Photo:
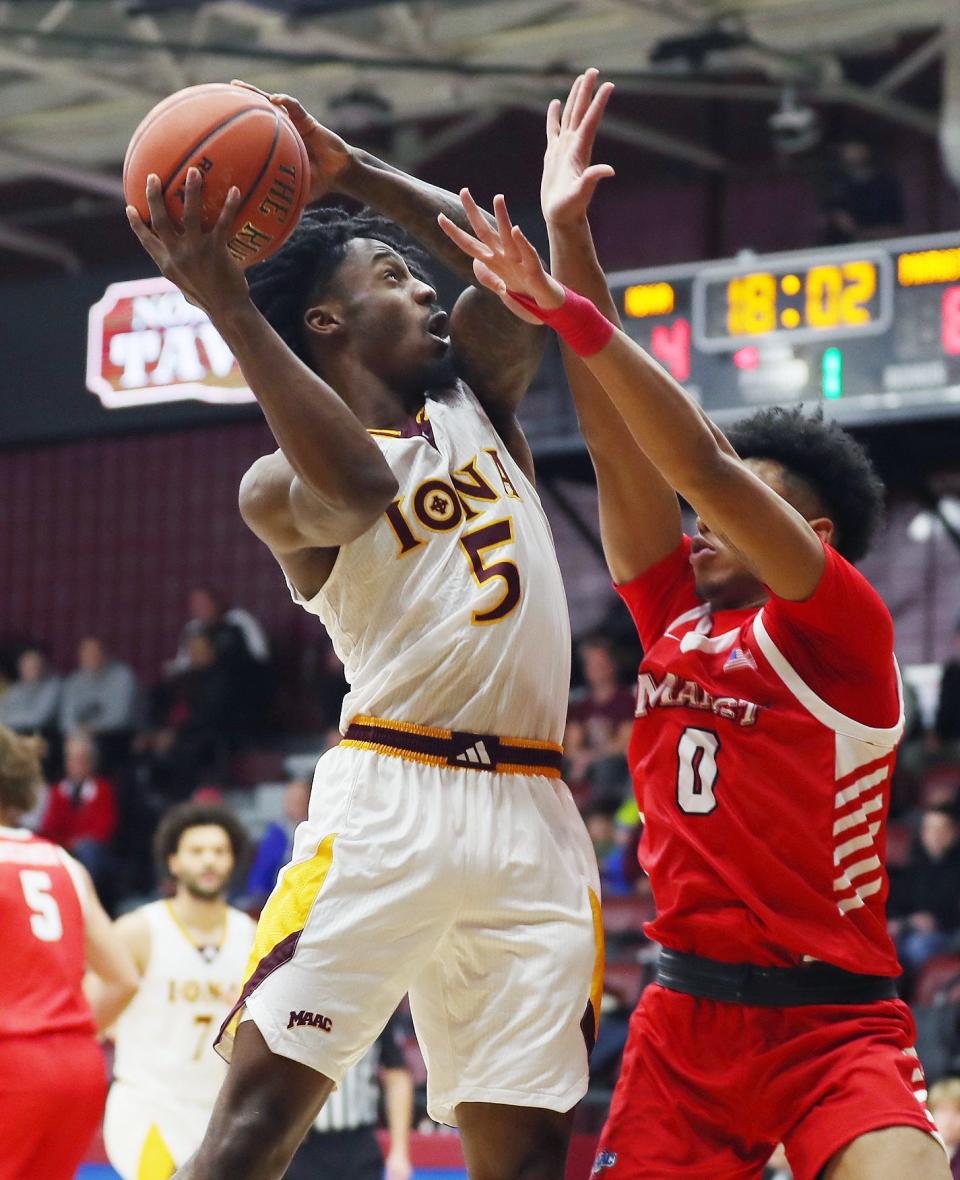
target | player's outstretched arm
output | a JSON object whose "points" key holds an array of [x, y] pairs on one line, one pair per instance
{"points": [[497, 355], [113, 956], [639, 512], [693, 458], [332, 463]]}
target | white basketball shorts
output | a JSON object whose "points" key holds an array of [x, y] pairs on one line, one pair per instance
{"points": [[475, 891], [147, 1137]]}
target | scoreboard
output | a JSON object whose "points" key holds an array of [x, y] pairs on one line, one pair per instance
{"points": [[872, 330]]}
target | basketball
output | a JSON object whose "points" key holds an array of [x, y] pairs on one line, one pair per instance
{"points": [[235, 137]]}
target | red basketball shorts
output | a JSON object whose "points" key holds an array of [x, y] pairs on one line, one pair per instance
{"points": [[52, 1090], [708, 1089]]}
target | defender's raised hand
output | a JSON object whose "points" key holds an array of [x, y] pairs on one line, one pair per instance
{"points": [[197, 261], [503, 259], [569, 179]]}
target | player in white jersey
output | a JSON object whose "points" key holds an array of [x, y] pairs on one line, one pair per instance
{"points": [[442, 854], [191, 951]]}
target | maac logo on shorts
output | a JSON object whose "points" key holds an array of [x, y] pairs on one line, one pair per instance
{"points": [[606, 1159], [314, 1019]]}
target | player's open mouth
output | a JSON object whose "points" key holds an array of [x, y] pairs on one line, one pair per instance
{"points": [[438, 326], [701, 548]]}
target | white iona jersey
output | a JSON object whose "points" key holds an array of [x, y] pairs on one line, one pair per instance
{"points": [[164, 1038], [450, 610]]}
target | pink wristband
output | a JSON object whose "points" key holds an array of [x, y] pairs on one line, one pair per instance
{"points": [[576, 321]]}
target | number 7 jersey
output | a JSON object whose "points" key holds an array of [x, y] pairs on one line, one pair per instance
{"points": [[765, 806], [450, 611]]}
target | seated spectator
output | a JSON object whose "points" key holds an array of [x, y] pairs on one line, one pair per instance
{"points": [[242, 648], [276, 845], [863, 199], [611, 843], [81, 813], [100, 697], [598, 726], [912, 753], [925, 895], [30, 704], [944, 1104], [195, 725], [946, 727], [227, 626]]}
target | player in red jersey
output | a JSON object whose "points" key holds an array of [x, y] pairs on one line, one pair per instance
{"points": [[52, 1076], [768, 712]]}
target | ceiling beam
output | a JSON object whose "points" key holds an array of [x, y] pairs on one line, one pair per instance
{"points": [[59, 70], [648, 138], [24, 241], [913, 63], [32, 163]]}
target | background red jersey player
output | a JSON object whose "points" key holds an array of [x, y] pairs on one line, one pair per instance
{"points": [[52, 1076], [767, 717]]}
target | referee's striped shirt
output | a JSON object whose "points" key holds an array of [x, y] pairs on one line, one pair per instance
{"points": [[355, 1101]]}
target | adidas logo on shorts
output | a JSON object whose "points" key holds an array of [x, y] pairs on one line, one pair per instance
{"points": [[477, 754], [606, 1159]]}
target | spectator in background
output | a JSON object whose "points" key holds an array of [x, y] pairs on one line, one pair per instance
{"points": [[195, 725], [610, 845], [863, 200], [946, 727], [100, 697], [242, 647], [599, 725], [81, 814], [944, 1104], [925, 896], [234, 631], [29, 706], [276, 845]]}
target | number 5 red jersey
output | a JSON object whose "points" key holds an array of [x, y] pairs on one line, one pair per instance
{"points": [[41, 915], [762, 751]]}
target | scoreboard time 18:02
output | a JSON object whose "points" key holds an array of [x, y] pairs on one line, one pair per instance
{"points": [[873, 328]]}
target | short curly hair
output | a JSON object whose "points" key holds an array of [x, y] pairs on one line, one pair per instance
{"points": [[283, 286], [833, 465], [184, 816], [20, 773]]}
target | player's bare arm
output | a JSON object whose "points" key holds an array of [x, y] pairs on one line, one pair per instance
{"points": [[334, 480], [114, 969], [639, 511], [782, 548], [496, 354]]}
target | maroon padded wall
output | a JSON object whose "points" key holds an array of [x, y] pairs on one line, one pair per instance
{"points": [[107, 536]]}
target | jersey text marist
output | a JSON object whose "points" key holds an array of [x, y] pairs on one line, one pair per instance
{"points": [[764, 798]]}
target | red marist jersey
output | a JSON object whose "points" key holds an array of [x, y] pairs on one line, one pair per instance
{"points": [[762, 752], [41, 916]]}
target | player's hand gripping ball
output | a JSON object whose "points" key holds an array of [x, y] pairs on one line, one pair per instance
{"points": [[234, 136]]}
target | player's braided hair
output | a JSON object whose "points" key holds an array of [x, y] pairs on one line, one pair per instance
{"points": [[184, 816], [826, 458], [20, 773], [283, 286]]}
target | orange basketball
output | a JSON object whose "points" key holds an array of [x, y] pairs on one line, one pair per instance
{"points": [[234, 136]]}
